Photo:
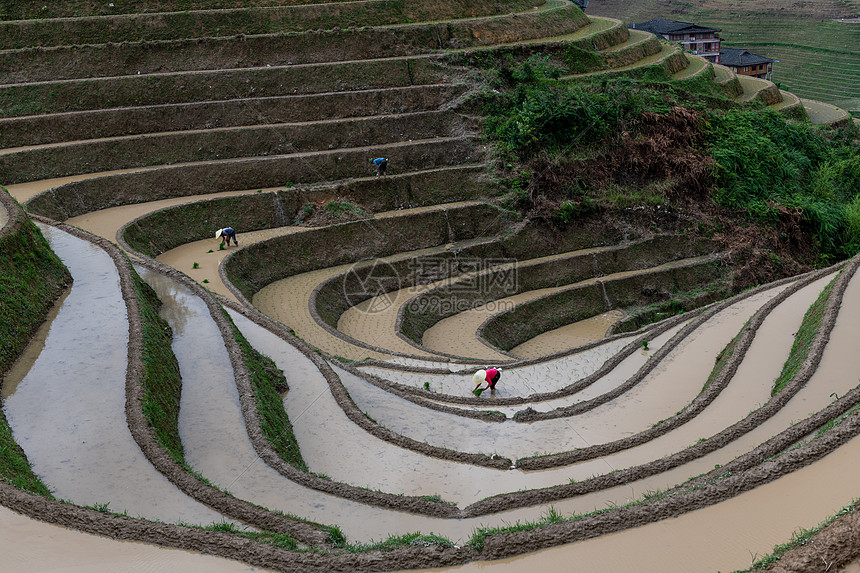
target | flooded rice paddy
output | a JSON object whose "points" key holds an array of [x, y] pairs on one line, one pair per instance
{"points": [[67, 408]]}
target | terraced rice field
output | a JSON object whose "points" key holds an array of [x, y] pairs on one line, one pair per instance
{"points": [[661, 449], [817, 61], [815, 41]]}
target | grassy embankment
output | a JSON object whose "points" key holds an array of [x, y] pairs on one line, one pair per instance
{"points": [[269, 383], [31, 279], [803, 340], [163, 384]]}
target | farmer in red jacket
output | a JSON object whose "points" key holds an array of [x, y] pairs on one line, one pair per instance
{"points": [[490, 376]]}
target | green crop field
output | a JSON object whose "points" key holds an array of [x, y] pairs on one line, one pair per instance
{"points": [[818, 53], [817, 59]]}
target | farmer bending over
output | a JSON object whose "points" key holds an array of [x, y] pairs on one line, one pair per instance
{"points": [[226, 234], [490, 376], [381, 164]]}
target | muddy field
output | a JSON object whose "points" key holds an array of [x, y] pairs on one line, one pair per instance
{"points": [[663, 449]]}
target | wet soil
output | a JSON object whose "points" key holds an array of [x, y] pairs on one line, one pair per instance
{"points": [[458, 334], [31, 545], [107, 222], [570, 336]]}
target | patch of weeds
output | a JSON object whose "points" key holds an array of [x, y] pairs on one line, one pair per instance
{"points": [[162, 383], [653, 495], [195, 266], [835, 422], [269, 383], [723, 358], [206, 281], [427, 386], [799, 538], [344, 209], [266, 537], [803, 340], [408, 540], [436, 498], [306, 211], [100, 507], [336, 536]]}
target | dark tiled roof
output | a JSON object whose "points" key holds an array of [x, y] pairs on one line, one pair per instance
{"points": [[740, 57], [660, 26]]}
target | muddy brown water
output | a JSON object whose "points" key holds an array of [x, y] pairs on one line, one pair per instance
{"points": [[671, 386], [331, 444], [31, 546], [107, 222], [375, 321], [723, 537], [457, 334], [598, 556], [24, 191], [216, 443], [534, 378], [208, 256], [569, 336], [725, 540], [287, 301], [67, 410]]}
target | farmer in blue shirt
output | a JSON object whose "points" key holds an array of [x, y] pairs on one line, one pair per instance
{"points": [[381, 163], [226, 234]]}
